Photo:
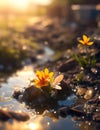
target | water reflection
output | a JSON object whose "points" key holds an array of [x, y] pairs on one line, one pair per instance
{"points": [[21, 126], [41, 123], [38, 121], [16, 81]]}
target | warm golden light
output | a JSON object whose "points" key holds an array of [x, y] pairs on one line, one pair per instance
{"points": [[21, 4], [33, 126], [14, 4], [22, 126], [41, 2], [30, 125]]}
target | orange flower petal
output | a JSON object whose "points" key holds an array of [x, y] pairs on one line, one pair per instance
{"points": [[85, 38], [88, 39], [90, 43], [81, 41]]}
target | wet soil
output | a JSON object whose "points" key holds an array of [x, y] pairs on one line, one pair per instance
{"points": [[82, 82]]}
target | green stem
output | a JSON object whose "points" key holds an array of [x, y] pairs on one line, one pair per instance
{"points": [[88, 56]]}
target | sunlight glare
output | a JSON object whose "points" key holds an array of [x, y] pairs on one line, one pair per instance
{"points": [[41, 2], [33, 126], [21, 4]]}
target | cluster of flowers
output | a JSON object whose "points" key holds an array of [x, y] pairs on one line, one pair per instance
{"points": [[45, 79]]}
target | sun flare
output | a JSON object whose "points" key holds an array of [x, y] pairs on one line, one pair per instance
{"points": [[22, 4], [41, 2]]}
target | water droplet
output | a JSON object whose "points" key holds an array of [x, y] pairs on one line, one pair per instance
{"points": [[96, 88], [94, 70], [89, 123], [74, 90], [37, 112], [97, 110], [82, 117], [87, 76], [48, 123]]}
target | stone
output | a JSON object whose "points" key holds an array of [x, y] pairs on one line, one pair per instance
{"points": [[31, 93]]}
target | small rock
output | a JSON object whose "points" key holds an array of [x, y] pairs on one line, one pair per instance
{"points": [[81, 91], [16, 94], [70, 64], [89, 94], [94, 70], [4, 115], [31, 93]]}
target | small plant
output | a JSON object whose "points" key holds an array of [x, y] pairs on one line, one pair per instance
{"points": [[87, 60], [46, 82]]}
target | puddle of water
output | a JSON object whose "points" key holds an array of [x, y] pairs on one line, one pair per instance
{"points": [[16, 81], [36, 122], [19, 80]]}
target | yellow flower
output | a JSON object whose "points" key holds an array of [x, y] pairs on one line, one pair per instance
{"points": [[86, 41], [43, 78]]}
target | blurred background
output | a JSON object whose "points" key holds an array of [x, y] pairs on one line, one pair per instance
{"points": [[24, 24], [80, 10]]}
